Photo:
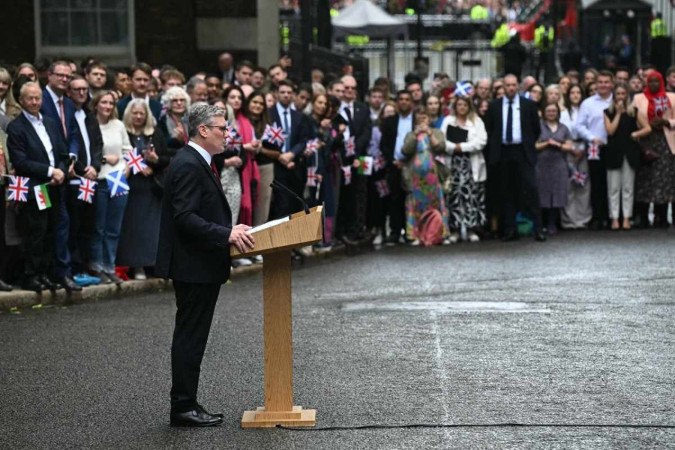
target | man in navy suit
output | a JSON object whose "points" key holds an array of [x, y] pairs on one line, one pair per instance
{"points": [[140, 80], [61, 109], [194, 251], [289, 169], [38, 151], [513, 127]]}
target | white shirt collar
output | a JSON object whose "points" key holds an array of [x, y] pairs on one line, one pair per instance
{"points": [[32, 118], [206, 155], [54, 95]]}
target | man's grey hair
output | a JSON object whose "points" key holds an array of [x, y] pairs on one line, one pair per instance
{"points": [[201, 114], [27, 85], [193, 83]]}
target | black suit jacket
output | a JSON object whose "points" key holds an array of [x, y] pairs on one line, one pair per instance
{"points": [[196, 223], [28, 154], [300, 130], [389, 130], [361, 128], [95, 145], [530, 127], [48, 109]]}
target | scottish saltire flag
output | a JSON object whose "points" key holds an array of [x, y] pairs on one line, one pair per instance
{"points": [[117, 183], [42, 197], [312, 146], [86, 190], [311, 177], [365, 165], [135, 160], [579, 178], [463, 89], [17, 190], [274, 134], [350, 147], [347, 174], [593, 152], [382, 188]]}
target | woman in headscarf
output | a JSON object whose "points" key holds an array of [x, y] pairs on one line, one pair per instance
{"points": [[656, 176]]}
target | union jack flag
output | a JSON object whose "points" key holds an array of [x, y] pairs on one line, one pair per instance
{"points": [[274, 135], [579, 178], [135, 161], [661, 105], [379, 163], [593, 152], [232, 139], [17, 190], [382, 188], [350, 147], [347, 174], [86, 190], [463, 89], [312, 146], [311, 176]]}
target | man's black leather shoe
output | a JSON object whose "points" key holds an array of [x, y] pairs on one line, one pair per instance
{"points": [[5, 287], [539, 236], [32, 284], [194, 418], [70, 285], [49, 284], [510, 236], [202, 409]]}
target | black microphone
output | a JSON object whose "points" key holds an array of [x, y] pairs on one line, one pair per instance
{"points": [[278, 185]]}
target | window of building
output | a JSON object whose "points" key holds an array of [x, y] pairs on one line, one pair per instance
{"points": [[82, 27]]}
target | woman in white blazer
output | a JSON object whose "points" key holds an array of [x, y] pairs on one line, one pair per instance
{"points": [[465, 137]]}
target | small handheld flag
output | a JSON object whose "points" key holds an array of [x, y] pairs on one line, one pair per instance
{"points": [[42, 197], [135, 160], [232, 139], [463, 89], [117, 183], [350, 147], [365, 165], [347, 174], [382, 188], [312, 146], [274, 135], [311, 177], [379, 163], [17, 190], [593, 152], [86, 190], [579, 178]]}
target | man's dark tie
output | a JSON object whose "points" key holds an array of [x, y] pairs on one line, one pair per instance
{"points": [[214, 170], [509, 123], [62, 116], [348, 112]]}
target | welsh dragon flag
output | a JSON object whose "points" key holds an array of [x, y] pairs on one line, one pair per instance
{"points": [[42, 197]]}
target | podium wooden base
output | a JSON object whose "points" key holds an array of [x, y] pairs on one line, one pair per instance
{"points": [[262, 419]]}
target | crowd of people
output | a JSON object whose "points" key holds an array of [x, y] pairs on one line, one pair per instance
{"points": [[83, 150]]}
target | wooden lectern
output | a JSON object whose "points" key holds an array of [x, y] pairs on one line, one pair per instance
{"points": [[275, 242]]}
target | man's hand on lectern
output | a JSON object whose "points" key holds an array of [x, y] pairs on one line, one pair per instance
{"points": [[241, 239]]}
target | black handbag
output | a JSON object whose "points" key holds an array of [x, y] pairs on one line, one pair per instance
{"points": [[647, 153]]}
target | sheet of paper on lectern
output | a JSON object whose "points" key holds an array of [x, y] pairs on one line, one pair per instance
{"points": [[270, 224]]}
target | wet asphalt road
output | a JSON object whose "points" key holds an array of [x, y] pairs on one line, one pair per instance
{"points": [[576, 332]]}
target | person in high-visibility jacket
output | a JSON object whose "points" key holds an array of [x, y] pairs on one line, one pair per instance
{"points": [[658, 27], [501, 36], [544, 40], [479, 12]]}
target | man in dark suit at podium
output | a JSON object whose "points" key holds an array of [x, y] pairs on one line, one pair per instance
{"points": [[194, 251]]}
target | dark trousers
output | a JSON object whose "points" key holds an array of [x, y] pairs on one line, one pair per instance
{"points": [[375, 215], [61, 234], [599, 202], [394, 205], [352, 208], [82, 217], [38, 234], [195, 305], [283, 203], [518, 187]]}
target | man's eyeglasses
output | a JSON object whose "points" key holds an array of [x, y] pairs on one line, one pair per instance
{"points": [[223, 129], [82, 89]]}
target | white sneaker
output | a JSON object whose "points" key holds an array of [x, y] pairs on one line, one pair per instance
{"points": [[446, 241], [258, 259], [473, 237], [454, 238], [241, 262], [139, 274], [415, 243], [378, 239]]}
